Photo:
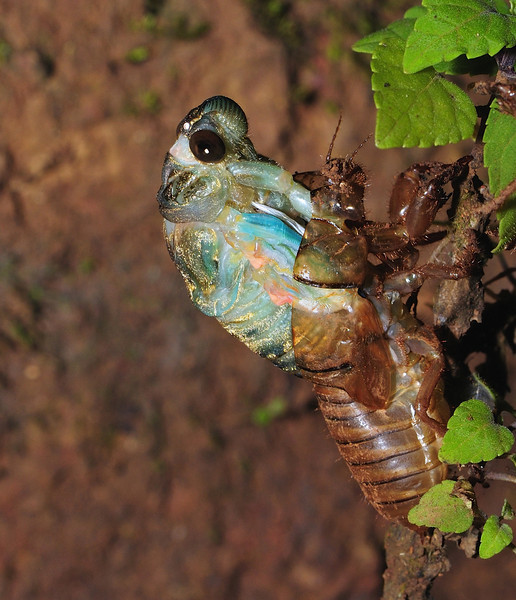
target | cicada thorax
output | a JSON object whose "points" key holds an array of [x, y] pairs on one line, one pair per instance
{"points": [[332, 254], [369, 359]]}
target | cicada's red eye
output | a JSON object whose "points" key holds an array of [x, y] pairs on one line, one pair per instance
{"points": [[207, 146]]}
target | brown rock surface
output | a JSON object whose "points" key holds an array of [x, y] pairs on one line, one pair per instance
{"points": [[130, 464]]}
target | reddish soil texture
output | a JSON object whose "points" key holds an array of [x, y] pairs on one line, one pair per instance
{"points": [[131, 466]]}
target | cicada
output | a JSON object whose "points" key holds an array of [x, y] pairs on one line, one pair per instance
{"points": [[283, 263]]}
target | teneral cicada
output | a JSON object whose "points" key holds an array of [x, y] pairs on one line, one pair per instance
{"points": [[282, 263]]}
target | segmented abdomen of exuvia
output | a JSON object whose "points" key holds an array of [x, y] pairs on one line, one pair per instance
{"points": [[391, 453]]}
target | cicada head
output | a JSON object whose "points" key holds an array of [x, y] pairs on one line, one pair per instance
{"points": [[196, 184]]}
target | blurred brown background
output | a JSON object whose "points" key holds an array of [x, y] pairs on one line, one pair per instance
{"points": [[133, 460]]}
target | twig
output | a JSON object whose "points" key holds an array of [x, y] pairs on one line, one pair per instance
{"points": [[495, 203], [413, 562]]}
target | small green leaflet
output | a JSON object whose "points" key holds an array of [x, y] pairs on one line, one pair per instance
{"points": [[414, 12], [495, 537], [422, 109], [500, 160], [473, 436], [479, 390], [441, 508], [507, 225], [398, 29], [500, 149], [401, 28], [462, 65], [507, 511], [454, 27]]}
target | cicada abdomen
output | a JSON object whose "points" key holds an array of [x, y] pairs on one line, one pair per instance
{"points": [[391, 453], [374, 367]]}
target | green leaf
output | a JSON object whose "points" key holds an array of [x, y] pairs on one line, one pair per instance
{"points": [[398, 29], [507, 511], [414, 12], [472, 66], [473, 436], [495, 537], [500, 160], [454, 27], [500, 149], [443, 507], [479, 390], [422, 109], [507, 225]]}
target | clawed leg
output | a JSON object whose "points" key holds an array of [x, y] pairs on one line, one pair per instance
{"points": [[424, 396], [430, 406], [418, 194], [410, 280]]}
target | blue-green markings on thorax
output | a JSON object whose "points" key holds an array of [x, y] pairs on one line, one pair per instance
{"points": [[225, 283], [234, 224]]}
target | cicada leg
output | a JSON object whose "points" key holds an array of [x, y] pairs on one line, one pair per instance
{"points": [[418, 343], [418, 194]]}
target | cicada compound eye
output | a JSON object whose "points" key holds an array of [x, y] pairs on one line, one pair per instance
{"points": [[207, 146]]}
